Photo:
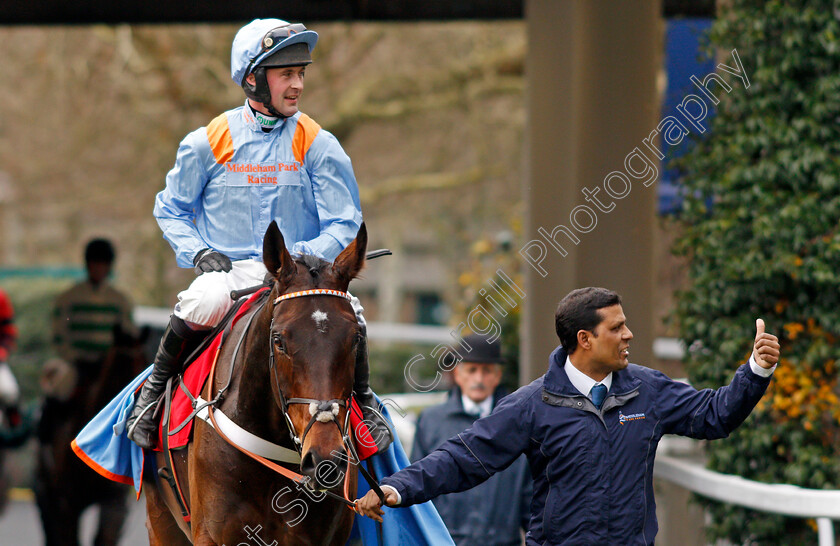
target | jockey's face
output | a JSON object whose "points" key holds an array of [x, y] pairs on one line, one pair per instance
{"points": [[286, 85]]}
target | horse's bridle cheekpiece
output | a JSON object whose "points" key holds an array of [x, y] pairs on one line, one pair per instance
{"points": [[323, 411], [320, 410]]}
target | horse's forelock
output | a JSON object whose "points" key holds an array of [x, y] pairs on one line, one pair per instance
{"points": [[315, 266], [311, 262]]}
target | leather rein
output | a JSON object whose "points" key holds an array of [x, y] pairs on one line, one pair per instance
{"points": [[320, 411]]}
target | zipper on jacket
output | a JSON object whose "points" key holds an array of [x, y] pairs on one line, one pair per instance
{"points": [[583, 403]]}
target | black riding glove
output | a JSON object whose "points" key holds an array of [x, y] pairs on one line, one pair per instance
{"points": [[209, 260]]}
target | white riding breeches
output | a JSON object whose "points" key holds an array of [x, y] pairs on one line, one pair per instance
{"points": [[207, 299], [9, 390]]}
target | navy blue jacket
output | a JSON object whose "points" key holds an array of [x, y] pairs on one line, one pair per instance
{"points": [[593, 470], [492, 513]]}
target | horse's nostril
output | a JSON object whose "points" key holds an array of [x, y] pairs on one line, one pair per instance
{"points": [[329, 475], [308, 464], [325, 473]]}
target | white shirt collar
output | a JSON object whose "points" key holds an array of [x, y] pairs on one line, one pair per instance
{"points": [[582, 382], [483, 409]]}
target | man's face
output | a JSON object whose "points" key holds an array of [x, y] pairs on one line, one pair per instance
{"points": [[610, 341], [98, 271], [477, 381], [286, 85]]}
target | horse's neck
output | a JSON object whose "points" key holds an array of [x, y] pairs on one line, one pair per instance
{"points": [[256, 401], [256, 342]]}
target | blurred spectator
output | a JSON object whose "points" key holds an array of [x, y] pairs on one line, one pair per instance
{"points": [[492, 513], [85, 320], [86, 314], [9, 392]]}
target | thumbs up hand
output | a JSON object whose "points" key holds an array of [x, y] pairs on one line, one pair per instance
{"points": [[766, 347]]}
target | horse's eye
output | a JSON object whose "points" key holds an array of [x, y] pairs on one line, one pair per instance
{"points": [[277, 339]]}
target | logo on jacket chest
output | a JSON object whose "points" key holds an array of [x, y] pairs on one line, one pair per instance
{"points": [[630, 417], [261, 173]]}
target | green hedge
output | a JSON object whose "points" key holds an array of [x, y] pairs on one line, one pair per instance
{"points": [[760, 237]]}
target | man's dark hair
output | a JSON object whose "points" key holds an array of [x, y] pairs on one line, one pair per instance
{"points": [[579, 311], [99, 250]]}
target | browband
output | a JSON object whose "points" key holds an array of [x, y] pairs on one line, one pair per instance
{"points": [[314, 292]]}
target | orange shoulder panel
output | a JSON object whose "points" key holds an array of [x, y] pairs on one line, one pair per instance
{"points": [[306, 131], [218, 134]]}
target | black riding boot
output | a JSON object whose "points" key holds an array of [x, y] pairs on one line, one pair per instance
{"points": [[177, 343], [376, 422]]}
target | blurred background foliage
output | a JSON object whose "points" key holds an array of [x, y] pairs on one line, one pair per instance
{"points": [[488, 256], [760, 239]]}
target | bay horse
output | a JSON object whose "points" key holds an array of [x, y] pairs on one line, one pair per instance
{"points": [[64, 485], [283, 364]]}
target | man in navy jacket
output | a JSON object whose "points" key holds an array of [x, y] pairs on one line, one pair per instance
{"points": [[492, 513], [589, 427]]}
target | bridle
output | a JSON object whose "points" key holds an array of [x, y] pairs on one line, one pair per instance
{"points": [[320, 410], [323, 411]]}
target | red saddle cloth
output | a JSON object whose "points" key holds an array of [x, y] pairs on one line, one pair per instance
{"points": [[195, 376]]}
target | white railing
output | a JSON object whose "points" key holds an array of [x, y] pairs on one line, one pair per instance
{"points": [[788, 500], [663, 347]]}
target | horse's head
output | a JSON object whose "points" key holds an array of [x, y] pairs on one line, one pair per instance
{"points": [[314, 335]]}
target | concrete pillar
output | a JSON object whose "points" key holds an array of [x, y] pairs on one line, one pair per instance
{"points": [[592, 68]]}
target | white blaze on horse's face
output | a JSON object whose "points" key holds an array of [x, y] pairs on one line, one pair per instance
{"points": [[320, 319]]}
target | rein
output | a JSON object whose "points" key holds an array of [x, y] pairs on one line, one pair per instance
{"points": [[320, 410]]}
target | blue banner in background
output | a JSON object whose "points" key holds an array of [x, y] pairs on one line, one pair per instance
{"points": [[685, 44]]}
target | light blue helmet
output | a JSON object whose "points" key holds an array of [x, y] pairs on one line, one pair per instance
{"points": [[266, 43]]}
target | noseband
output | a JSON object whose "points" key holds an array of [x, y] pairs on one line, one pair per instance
{"points": [[322, 411]]}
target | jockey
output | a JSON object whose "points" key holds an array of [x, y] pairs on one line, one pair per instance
{"points": [[261, 162]]}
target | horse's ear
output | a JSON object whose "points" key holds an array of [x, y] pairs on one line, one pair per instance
{"points": [[351, 260], [276, 257]]}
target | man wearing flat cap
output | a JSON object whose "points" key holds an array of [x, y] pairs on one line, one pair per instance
{"points": [[493, 513]]}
